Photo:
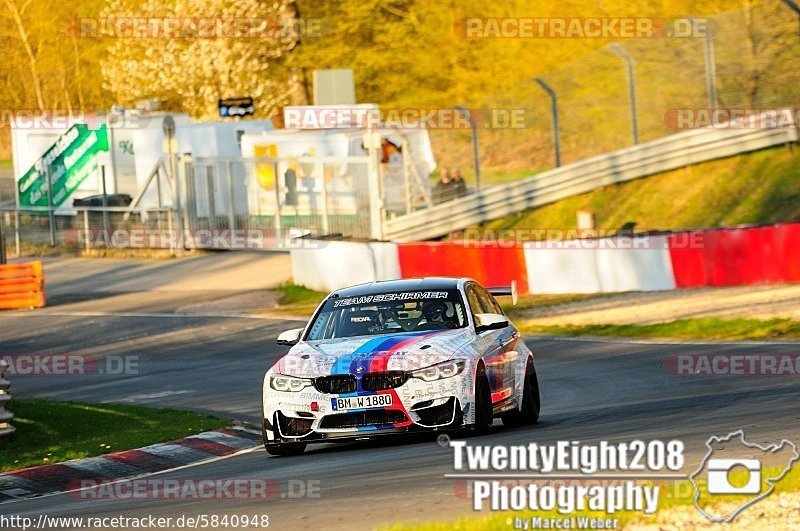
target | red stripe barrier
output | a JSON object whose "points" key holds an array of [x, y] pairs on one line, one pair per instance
{"points": [[736, 257], [788, 244], [488, 263]]}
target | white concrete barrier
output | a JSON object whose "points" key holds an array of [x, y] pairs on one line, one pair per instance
{"points": [[559, 267], [599, 266], [330, 265]]}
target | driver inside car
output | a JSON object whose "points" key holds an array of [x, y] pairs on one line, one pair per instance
{"points": [[436, 316]]}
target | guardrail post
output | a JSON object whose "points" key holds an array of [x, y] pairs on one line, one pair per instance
{"points": [[5, 397]]}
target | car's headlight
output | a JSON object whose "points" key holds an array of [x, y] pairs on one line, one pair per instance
{"points": [[439, 371], [288, 383]]}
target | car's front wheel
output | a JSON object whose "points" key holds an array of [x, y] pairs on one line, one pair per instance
{"points": [[483, 402], [286, 449], [531, 402]]}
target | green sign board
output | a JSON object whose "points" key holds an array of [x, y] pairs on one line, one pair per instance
{"points": [[71, 160]]}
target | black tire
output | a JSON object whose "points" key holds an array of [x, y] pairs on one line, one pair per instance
{"points": [[531, 402], [483, 403], [286, 449]]}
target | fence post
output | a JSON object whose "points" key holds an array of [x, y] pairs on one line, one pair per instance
{"points": [[231, 204], [319, 169], [278, 221], [5, 397], [86, 230], [554, 113], [50, 209], [2, 240], [16, 231], [106, 222], [625, 56]]}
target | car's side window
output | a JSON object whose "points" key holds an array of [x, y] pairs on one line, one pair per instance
{"points": [[489, 303], [475, 305]]}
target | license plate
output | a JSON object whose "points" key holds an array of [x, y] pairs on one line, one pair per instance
{"points": [[361, 402]]}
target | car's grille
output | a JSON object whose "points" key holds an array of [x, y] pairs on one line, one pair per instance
{"points": [[375, 417], [380, 381], [336, 384]]}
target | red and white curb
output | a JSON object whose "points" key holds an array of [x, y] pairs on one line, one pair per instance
{"points": [[64, 477]]}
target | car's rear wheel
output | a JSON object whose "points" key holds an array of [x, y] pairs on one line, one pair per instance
{"points": [[531, 402], [286, 449], [483, 402]]}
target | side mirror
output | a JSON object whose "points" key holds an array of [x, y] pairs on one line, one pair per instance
{"points": [[290, 337], [490, 321]]}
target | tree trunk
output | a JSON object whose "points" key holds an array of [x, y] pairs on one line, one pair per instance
{"points": [[32, 62]]}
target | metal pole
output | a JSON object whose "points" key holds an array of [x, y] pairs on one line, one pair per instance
{"points": [[278, 221], [554, 113], [618, 50], [50, 210], [106, 224], [16, 231], [2, 241], [710, 63], [377, 212], [86, 236], [475, 156], [319, 169], [231, 206]]}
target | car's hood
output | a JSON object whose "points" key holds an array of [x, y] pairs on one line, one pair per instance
{"points": [[405, 351]]}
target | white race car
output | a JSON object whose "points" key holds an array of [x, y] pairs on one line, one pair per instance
{"points": [[396, 357]]}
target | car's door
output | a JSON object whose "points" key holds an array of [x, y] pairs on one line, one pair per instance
{"points": [[498, 347], [488, 342]]}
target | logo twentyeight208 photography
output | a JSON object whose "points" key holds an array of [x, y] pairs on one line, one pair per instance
{"points": [[738, 474]]}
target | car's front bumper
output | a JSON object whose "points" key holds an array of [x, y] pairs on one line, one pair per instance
{"points": [[309, 415]]}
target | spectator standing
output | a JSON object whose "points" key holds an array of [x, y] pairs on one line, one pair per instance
{"points": [[459, 186], [443, 191]]}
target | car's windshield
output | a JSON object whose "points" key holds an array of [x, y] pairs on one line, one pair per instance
{"points": [[381, 313]]}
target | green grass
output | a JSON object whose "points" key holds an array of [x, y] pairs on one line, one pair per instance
{"points": [[528, 302], [753, 188], [700, 328], [51, 432], [297, 300], [673, 494]]}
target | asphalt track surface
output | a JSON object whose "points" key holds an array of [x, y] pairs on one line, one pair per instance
{"points": [[591, 390]]}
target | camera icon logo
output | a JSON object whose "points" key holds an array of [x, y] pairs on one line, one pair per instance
{"points": [[720, 472], [747, 472]]}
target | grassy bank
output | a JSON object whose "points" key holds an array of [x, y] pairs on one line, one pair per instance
{"points": [[297, 300], [753, 188], [51, 432], [700, 328]]}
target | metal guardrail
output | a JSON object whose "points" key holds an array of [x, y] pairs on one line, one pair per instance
{"points": [[663, 154], [5, 397]]}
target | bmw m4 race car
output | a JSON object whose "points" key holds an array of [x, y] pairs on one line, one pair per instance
{"points": [[397, 357]]}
